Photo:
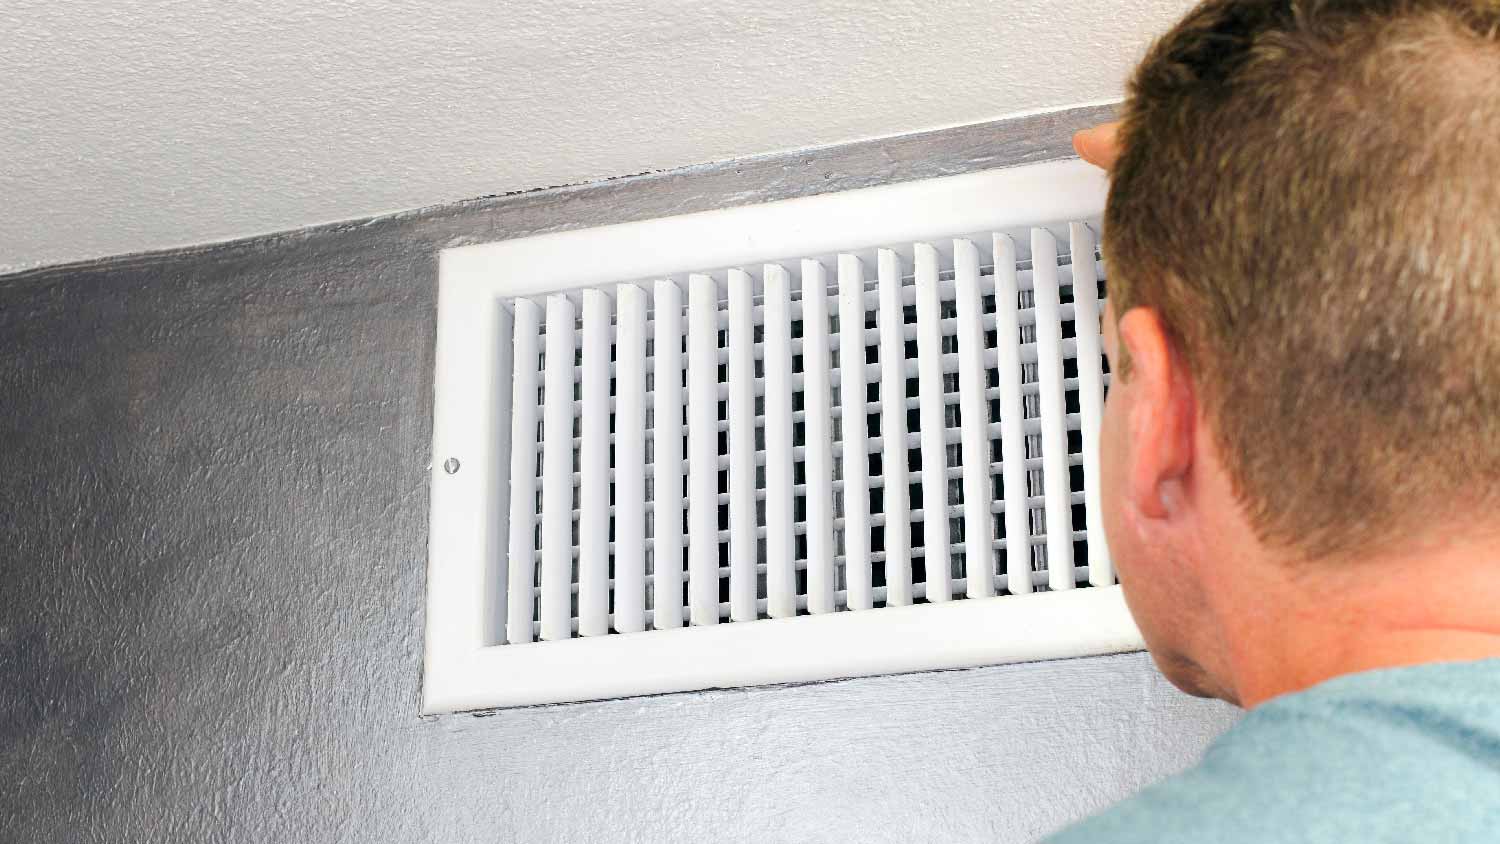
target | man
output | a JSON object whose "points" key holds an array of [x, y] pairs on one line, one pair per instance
{"points": [[1302, 441]]}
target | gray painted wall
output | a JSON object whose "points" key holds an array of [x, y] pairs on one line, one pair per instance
{"points": [[213, 515]]}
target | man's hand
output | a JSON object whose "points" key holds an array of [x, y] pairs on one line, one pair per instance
{"points": [[1098, 145]]}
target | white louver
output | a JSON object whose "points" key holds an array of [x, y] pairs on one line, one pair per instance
{"points": [[827, 437]]}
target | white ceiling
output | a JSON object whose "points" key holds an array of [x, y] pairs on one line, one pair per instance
{"points": [[143, 124]]}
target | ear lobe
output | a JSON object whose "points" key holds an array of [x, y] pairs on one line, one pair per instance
{"points": [[1162, 414]]}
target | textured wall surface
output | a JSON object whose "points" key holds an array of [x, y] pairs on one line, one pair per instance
{"points": [[143, 124], [213, 513]]}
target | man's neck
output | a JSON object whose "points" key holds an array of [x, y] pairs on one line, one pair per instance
{"points": [[1313, 621]]}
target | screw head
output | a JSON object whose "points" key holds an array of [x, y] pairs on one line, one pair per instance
{"points": [[450, 465]]}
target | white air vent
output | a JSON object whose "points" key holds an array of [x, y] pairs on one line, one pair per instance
{"points": [[825, 437]]}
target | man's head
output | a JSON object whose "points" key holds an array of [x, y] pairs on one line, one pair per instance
{"points": [[1303, 232]]}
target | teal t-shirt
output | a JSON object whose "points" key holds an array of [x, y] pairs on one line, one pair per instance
{"points": [[1401, 754]]}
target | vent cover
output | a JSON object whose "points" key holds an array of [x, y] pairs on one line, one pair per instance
{"points": [[842, 435]]}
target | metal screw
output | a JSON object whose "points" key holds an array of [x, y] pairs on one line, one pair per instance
{"points": [[450, 465]]}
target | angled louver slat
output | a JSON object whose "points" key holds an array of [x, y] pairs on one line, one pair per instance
{"points": [[979, 523], [818, 418], [630, 462], [1090, 393], [763, 478], [1059, 514], [703, 450], [932, 417], [894, 489], [594, 510], [741, 408], [668, 516], [1017, 492], [523, 471], [781, 580], [494, 597], [557, 470], [854, 430]]}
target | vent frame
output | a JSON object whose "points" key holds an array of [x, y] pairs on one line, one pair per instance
{"points": [[462, 671]]}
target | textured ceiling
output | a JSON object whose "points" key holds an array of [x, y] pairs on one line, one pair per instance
{"points": [[144, 124]]}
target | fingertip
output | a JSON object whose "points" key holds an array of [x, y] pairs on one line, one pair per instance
{"points": [[1080, 143], [1098, 145]]}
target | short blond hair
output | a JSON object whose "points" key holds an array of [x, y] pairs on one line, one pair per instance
{"points": [[1309, 194]]}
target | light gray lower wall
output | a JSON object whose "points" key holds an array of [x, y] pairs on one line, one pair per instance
{"points": [[213, 527]]}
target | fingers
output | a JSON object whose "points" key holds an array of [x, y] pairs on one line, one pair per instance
{"points": [[1099, 146]]}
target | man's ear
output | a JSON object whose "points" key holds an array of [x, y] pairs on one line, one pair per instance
{"points": [[1162, 414]]}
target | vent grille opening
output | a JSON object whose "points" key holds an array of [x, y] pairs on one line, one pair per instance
{"points": [[839, 433], [825, 437]]}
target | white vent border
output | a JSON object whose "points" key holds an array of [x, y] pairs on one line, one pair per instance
{"points": [[462, 673]]}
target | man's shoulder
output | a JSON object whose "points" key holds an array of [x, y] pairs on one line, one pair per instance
{"points": [[1363, 760], [1329, 793]]}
